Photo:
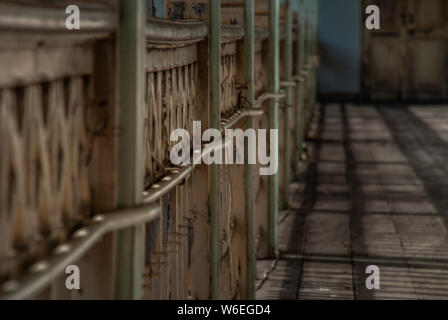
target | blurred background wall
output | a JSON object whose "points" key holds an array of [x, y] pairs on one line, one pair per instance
{"points": [[340, 46]]}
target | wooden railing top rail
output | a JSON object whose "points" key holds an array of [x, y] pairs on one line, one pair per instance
{"points": [[169, 32], [32, 25], [231, 33]]}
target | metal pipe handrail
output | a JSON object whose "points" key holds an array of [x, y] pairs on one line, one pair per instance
{"points": [[238, 115], [267, 96], [167, 183], [178, 174], [286, 84], [298, 78], [42, 273]]}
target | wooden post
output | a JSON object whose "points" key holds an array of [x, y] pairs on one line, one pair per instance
{"points": [[129, 245]]}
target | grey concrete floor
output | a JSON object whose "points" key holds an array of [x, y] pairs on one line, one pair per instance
{"points": [[374, 192]]}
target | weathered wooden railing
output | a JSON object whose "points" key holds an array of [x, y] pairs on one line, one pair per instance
{"points": [[173, 101], [261, 182], [60, 172], [172, 88], [232, 65], [261, 73], [54, 120]]}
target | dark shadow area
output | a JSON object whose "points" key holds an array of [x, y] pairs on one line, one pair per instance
{"points": [[425, 151]]}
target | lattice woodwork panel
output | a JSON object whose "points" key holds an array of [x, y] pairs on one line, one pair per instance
{"points": [[261, 74], [44, 180], [171, 103], [229, 83]]}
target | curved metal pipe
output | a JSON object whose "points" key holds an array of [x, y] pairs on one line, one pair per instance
{"points": [[167, 183], [178, 174], [238, 115], [42, 273], [288, 84], [267, 96]]}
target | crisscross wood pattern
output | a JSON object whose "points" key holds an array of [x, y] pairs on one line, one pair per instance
{"points": [[261, 74], [44, 190], [229, 83], [171, 101]]}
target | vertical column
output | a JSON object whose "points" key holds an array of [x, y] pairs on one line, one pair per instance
{"points": [[129, 242], [249, 169], [315, 17], [149, 8], [289, 102], [300, 96], [306, 61], [310, 48], [305, 31], [302, 33], [215, 122], [274, 49], [309, 21]]}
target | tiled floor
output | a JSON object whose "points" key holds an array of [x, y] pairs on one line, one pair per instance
{"points": [[375, 192]]}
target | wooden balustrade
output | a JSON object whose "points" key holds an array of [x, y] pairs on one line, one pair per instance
{"points": [[59, 139], [49, 130]]}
